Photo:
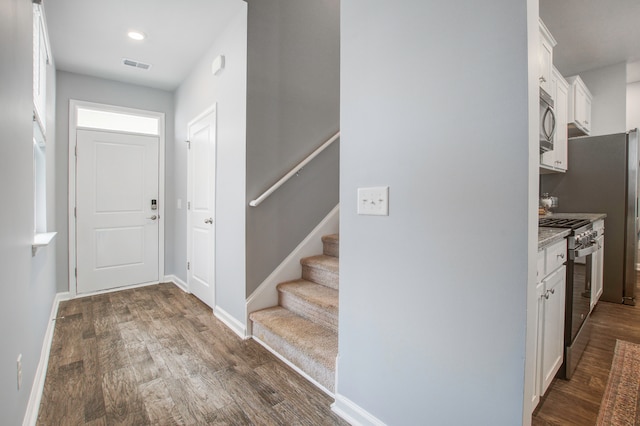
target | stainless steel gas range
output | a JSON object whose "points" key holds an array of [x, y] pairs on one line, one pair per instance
{"points": [[582, 245]]}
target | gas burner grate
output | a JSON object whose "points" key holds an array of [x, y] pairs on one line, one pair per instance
{"points": [[549, 222]]}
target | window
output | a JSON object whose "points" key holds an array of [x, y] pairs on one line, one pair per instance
{"points": [[107, 120], [40, 187]]}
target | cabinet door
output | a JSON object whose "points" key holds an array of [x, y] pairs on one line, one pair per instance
{"points": [[537, 369], [562, 116], [580, 112], [553, 326], [587, 114], [597, 270], [545, 58]]}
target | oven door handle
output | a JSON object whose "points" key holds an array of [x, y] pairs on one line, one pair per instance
{"points": [[585, 251]]}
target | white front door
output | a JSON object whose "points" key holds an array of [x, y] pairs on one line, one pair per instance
{"points": [[200, 205], [116, 227]]}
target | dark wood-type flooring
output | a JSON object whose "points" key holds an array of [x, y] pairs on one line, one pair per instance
{"points": [[577, 401], [155, 355]]}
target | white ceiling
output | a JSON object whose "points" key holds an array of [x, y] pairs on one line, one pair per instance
{"points": [[90, 36], [594, 33]]}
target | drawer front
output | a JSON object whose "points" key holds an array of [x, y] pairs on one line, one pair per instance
{"points": [[556, 255], [540, 269]]}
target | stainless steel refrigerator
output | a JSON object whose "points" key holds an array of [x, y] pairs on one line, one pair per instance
{"points": [[603, 178]]}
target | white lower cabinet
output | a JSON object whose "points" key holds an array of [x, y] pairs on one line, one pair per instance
{"points": [[597, 265], [550, 290], [552, 326]]}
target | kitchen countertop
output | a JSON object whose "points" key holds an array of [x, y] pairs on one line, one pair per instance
{"points": [[591, 216], [548, 236]]}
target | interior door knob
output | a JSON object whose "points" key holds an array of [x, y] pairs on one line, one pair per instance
{"points": [[210, 220]]}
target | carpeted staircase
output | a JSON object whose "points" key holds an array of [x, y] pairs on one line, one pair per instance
{"points": [[303, 328]]}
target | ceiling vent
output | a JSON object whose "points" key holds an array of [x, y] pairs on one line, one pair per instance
{"points": [[135, 64]]}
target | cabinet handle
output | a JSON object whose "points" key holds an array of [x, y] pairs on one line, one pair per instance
{"points": [[542, 79], [553, 291], [546, 295], [561, 255]]}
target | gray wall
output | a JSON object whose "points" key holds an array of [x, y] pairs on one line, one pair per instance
{"points": [[433, 298], [292, 107], [29, 285], [93, 89], [199, 91], [608, 85]]}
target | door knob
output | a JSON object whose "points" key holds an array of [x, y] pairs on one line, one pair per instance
{"points": [[210, 220], [154, 217]]}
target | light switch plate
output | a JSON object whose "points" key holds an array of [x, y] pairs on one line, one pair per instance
{"points": [[373, 201]]}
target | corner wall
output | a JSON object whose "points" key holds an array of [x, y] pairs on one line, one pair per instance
{"points": [[99, 90], [199, 91], [29, 285], [293, 105], [433, 298]]}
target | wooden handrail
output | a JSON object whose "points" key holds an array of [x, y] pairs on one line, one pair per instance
{"points": [[293, 171]]}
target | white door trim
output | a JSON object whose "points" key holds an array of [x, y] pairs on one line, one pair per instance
{"points": [[211, 110], [73, 108]]}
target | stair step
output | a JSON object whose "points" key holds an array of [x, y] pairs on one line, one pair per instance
{"points": [[315, 302], [321, 269], [310, 347], [331, 245]]}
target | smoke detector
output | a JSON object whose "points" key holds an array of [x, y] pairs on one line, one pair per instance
{"points": [[135, 64]]}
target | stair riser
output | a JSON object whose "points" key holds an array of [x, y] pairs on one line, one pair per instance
{"points": [[310, 366], [321, 276], [309, 311], [331, 248]]}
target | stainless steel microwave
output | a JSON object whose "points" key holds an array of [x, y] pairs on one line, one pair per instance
{"points": [[547, 122]]}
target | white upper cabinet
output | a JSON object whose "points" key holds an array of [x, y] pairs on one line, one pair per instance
{"points": [[41, 59], [545, 56], [579, 107]]}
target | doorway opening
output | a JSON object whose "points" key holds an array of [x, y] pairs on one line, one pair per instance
{"points": [[116, 197]]}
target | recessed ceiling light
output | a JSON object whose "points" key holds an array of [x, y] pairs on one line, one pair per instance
{"points": [[136, 35]]}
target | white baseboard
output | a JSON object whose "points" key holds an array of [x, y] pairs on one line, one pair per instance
{"points": [[178, 282], [266, 295], [112, 290], [353, 413], [294, 367], [231, 322], [31, 415]]}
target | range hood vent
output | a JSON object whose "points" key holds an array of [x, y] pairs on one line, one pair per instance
{"points": [[135, 64]]}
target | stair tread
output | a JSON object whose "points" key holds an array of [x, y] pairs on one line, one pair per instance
{"points": [[321, 261], [317, 294], [312, 340]]}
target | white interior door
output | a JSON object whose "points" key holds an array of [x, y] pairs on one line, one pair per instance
{"points": [[201, 198], [116, 227]]}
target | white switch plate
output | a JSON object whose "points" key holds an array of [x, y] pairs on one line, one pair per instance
{"points": [[373, 201]]}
